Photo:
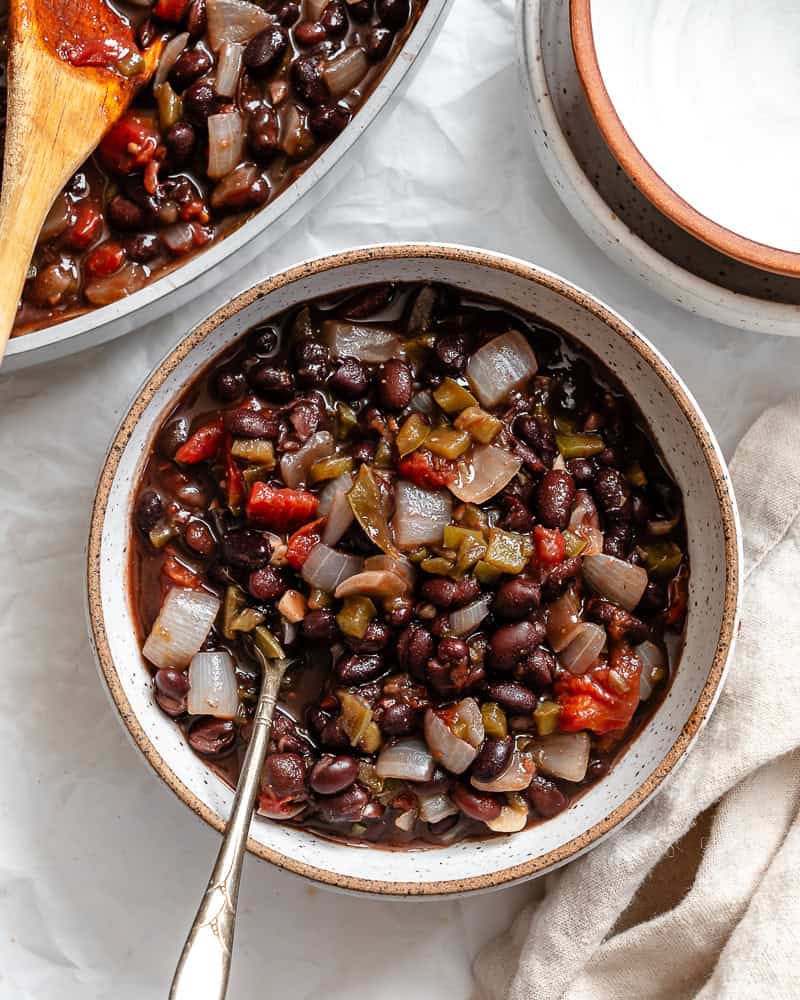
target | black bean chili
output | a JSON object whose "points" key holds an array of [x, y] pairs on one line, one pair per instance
{"points": [[456, 527]]}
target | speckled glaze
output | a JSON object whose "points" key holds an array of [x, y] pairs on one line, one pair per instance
{"points": [[613, 212], [223, 259], [714, 549], [694, 100]]}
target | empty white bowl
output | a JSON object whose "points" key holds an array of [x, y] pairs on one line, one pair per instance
{"points": [[714, 552]]}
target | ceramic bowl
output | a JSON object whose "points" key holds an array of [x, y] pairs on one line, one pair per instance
{"points": [[713, 538], [225, 258], [612, 211], [695, 100]]}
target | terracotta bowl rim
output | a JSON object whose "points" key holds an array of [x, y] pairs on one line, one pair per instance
{"points": [[642, 173], [671, 381]]}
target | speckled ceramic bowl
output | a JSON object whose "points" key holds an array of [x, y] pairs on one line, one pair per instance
{"points": [[714, 550]]}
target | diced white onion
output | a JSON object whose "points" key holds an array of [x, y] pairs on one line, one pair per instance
{"points": [[181, 628], [619, 581], [516, 777], [584, 649], [325, 568], [235, 21], [435, 807], [465, 620], [331, 489], [563, 620], [371, 344], [469, 712], [562, 755], [295, 464], [346, 71], [483, 473], [340, 517], [212, 685], [402, 567], [229, 69], [585, 523], [448, 750], [504, 364], [420, 515], [409, 760], [383, 584], [423, 402], [225, 143], [169, 57], [652, 658], [512, 819], [405, 821]]}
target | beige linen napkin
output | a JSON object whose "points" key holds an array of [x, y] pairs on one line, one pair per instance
{"points": [[736, 932]]}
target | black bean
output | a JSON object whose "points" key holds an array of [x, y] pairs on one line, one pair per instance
{"points": [[359, 669], [493, 758], [199, 539], [333, 736], [439, 591], [400, 612], [560, 575], [598, 768], [196, 20], [350, 380], [582, 470], [377, 43], [414, 648], [124, 213], [513, 696], [246, 549], [180, 141], [190, 64], [171, 688], [360, 10], [228, 385], [309, 33], [199, 102], [399, 720], [617, 539], [453, 651], [172, 436], [271, 381], [263, 340], [328, 120], [311, 361], [346, 807], [613, 494], [537, 669], [285, 773], [510, 643], [149, 511], [538, 433], [481, 806], [554, 498], [452, 352], [267, 584], [319, 626], [516, 598], [396, 385], [394, 13], [252, 423], [467, 590], [288, 14], [546, 797], [306, 73], [374, 639], [331, 775], [334, 19], [263, 52], [212, 737], [147, 33], [264, 133], [143, 247]]}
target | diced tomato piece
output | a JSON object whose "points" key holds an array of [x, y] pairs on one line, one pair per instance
{"points": [[87, 227], [202, 445], [604, 698], [426, 470], [234, 480], [677, 598], [104, 260], [302, 542], [130, 144], [280, 509], [104, 52], [171, 10], [550, 545], [180, 574]]}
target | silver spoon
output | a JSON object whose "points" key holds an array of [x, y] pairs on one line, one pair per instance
{"points": [[205, 962]]}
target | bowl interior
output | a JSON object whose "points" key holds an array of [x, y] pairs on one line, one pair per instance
{"points": [[693, 98], [712, 538]]}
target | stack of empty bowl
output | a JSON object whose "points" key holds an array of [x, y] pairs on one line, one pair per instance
{"points": [[668, 129]]}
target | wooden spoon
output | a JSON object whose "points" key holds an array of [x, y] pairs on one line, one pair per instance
{"points": [[64, 93]]}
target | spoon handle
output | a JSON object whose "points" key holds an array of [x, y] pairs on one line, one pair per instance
{"points": [[204, 965]]}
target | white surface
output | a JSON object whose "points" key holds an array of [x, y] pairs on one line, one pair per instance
{"points": [[532, 292], [705, 91], [100, 867], [610, 208]]}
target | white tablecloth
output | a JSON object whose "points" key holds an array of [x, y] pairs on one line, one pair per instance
{"points": [[100, 866]]}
